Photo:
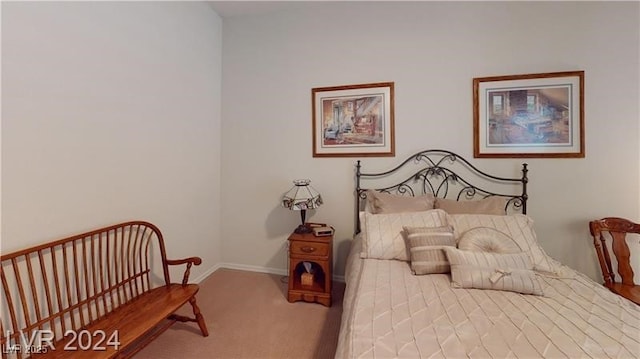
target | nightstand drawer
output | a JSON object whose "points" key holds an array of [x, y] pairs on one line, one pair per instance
{"points": [[310, 248]]}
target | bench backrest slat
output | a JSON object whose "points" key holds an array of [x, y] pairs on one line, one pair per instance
{"points": [[47, 287], [8, 301], [56, 281], [71, 283]]}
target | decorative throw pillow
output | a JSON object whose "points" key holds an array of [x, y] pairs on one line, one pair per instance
{"points": [[485, 239], [480, 270], [517, 226], [381, 202], [489, 205], [426, 248], [382, 237]]}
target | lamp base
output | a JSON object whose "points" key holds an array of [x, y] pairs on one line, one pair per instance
{"points": [[302, 229]]}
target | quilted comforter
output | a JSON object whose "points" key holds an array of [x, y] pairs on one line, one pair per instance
{"points": [[391, 313]]}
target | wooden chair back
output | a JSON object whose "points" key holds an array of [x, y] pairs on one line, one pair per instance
{"points": [[617, 229]]}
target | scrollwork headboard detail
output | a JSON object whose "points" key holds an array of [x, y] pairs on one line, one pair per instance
{"points": [[438, 173]]}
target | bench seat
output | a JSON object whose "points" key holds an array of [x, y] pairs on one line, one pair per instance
{"points": [[135, 322]]}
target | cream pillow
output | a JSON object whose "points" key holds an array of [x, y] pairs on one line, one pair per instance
{"points": [[518, 227], [426, 248], [489, 205], [382, 237], [381, 202], [485, 239], [481, 270]]}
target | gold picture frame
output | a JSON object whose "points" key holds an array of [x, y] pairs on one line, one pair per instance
{"points": [[531, 115], [353, 120]]}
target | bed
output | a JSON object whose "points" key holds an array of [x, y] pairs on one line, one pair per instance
{"points": [[489, 292]]}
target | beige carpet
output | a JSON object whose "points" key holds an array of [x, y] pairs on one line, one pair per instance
{"points": [[248, 316]]}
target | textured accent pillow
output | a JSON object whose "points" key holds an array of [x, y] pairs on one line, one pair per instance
{"points": [[381, 202], [517, 226], [481, 270], [485, 239], [489, 205], [426, 248], [382, 237]]}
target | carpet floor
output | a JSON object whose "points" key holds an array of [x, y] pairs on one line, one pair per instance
{"points": [[248, 316]]}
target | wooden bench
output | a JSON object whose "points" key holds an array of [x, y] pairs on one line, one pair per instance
{"points": [[94, 295]]}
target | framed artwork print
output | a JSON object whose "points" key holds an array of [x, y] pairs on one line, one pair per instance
{"points": [[533, 115], [353, 120]]}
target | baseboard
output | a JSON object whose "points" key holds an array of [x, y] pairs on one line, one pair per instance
{"points": [[206, 274], [250, 268]]}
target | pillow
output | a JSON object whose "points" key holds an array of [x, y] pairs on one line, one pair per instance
{"points": [[381, 202], [486, 239], [426, 248], [517, 226], [382, 237], [489, 205], [481, 270]]}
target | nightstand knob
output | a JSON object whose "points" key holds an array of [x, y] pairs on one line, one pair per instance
{"points": [[308, 249]]}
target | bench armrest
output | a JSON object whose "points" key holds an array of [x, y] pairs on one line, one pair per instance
{"points": [[189, 261]]}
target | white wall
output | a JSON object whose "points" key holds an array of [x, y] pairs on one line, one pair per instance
{"points": [[111, 112], [431, 50]]}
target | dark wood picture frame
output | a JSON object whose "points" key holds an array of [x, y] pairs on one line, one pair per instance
{"points": [[353, 120], [531, 115]]}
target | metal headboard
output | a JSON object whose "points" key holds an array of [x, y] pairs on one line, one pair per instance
{"points": [[436, 175]]}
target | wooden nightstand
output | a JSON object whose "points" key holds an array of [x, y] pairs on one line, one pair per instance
{"points": [[319, 252]]}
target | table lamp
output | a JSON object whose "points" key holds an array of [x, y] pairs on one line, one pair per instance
{"points": [[302, 197]]}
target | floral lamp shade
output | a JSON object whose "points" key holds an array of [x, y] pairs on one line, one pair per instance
{"points": [[302, 197]]}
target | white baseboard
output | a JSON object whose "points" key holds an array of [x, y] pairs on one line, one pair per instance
{"points": [[206, 274], [249, 268]]}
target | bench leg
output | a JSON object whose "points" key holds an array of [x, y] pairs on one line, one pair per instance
{"points": [[199, 317]]}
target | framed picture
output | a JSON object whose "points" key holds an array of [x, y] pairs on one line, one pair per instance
{"points": [[533, 115], [353, 120]]}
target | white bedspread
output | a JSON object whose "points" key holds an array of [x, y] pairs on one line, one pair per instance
{"points": [[391, 313]]}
